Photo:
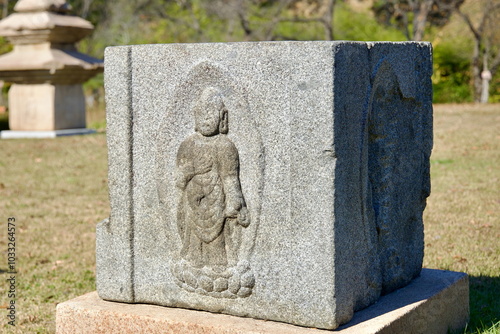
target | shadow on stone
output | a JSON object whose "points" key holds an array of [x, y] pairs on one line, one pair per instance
{"points": [[426, 286]]}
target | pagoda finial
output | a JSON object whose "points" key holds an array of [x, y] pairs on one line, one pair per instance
{"points": [[56, 6]]}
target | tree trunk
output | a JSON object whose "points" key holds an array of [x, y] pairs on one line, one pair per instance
{"points": [[1, 93], [86, 8], [328, 20], [476, 71], [485, 77], [481, 79], [421, 11], [485, 93], [5, 10]]}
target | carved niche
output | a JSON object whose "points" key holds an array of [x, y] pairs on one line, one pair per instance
{"points": [[211, 210], [209, 178]]}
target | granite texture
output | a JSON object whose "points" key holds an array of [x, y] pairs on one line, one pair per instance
{"points": [[331, 148], [436, 302]]}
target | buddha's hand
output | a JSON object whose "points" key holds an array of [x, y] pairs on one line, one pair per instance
{"points": [[244, 217], [183, 176]]}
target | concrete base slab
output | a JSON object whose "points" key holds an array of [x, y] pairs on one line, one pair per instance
{"points": [[435, 302], [8, 134]]}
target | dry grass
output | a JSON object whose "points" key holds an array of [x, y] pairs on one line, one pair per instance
{"points": [[462, 219], [465, 197], [57, 191]]}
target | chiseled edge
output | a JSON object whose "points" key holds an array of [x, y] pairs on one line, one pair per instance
{"points": [[115, 236], [355, 266]]}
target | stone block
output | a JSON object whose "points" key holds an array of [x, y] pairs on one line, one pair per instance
{"points": [[436, 302], [46, 107], [276, 180]]}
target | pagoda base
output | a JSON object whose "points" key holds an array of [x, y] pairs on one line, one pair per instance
{"points": [[46, 107], [45, 134]]}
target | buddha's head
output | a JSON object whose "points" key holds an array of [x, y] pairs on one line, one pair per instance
{"points": [[210, 113]]}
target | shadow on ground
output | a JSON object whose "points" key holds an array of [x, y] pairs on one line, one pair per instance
{"points": [[484, 302]]}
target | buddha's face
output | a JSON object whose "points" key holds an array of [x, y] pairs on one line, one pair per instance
{"points": [[208, 116]]}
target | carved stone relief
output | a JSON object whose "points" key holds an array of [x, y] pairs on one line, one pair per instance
{"points": [[178, 124], [211, 210], [325, 145], [209, 183], [398, 176]]}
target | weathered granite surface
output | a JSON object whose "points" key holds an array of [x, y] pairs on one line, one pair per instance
{"points": [[436, 302], [275, 180]]}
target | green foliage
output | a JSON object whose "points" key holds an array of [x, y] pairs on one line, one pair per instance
{"points": [[298, 31], [486, 329], [495, 90], [124, 22], [4, 46], [163, 21], [359, 26], [451, 73], [410, 17], [388, 14], [96, 11], [96, 82], [9, 9], [187, 24]]}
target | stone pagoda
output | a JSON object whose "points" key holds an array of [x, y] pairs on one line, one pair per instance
{"points": [[45, 67]]}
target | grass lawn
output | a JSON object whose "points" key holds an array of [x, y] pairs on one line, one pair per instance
{"points": [[57, 191], [462, 219]]}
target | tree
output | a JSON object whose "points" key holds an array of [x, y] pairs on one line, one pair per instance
{"points": [[412, 17], [320, 11], [7, 8], [263, 19], [95, 11], [486, 52]]}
